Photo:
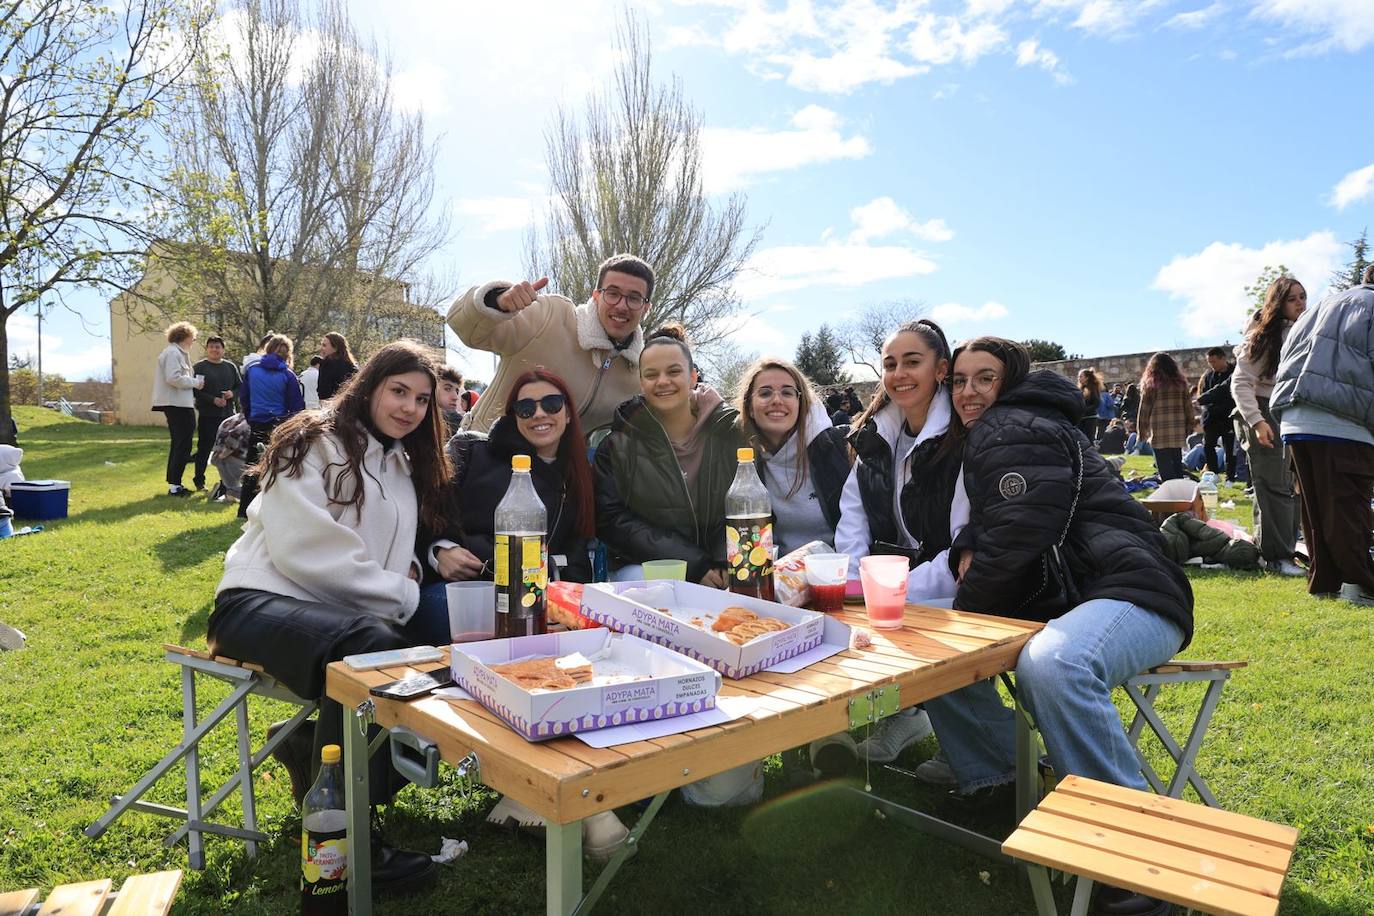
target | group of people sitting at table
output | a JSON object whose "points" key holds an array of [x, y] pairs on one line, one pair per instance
{"points": [[966, 461]]}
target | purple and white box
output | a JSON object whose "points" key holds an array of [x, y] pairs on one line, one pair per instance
{"points": [[659, 610], [672, 684]]}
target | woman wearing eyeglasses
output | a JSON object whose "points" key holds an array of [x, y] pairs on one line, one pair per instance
{"points": [[803, 459], [663, 472], [540, 420]]}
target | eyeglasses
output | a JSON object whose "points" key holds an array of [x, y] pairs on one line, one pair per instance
{"points": [[612, 296], [981, 383], [551, 403], [786, 392]]}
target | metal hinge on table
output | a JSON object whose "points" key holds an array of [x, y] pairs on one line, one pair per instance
{"points": [[878, 703]]}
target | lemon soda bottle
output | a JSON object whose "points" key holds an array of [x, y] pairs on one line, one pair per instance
{"points": [[749, 532], [521, 561], [324, 841]]}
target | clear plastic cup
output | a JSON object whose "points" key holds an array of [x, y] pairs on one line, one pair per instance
{"points": [[825, 574], [665, 569], [884, 585], [471, 611]]}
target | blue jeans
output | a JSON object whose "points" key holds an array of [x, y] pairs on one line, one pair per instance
{"points": [[6, 528], [429, 625], [1065, 675]]}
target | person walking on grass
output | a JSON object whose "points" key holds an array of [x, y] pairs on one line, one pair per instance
{"points": [[1166, 413], [1257, 360], [1214, 397], [215, 401], [1090, 386], [174, 384], [594, 346], [1324, 401]]}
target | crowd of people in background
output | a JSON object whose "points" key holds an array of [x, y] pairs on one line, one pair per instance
{"points": [[987, 474]]}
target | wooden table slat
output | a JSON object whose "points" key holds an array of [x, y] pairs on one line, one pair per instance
{"points": [[12, 903], [84, 899], [147, 895]]}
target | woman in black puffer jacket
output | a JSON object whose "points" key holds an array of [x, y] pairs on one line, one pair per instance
{"points": [[540, 421], [663, 472], [1053, 536]]}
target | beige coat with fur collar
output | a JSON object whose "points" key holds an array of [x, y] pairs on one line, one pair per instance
{"points": [[566, 339]]}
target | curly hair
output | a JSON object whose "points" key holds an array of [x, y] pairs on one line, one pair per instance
{"points": [[348, 419]]}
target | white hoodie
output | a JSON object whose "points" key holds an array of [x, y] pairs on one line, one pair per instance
{"points": [[929, 581], [10, 456]]}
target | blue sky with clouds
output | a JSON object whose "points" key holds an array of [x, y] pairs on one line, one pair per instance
{"points": [[1108, 174]]}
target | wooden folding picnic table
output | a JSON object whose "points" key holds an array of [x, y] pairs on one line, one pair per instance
{"points": [[564, 780]]}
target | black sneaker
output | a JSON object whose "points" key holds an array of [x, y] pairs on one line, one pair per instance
{"points": [[295, 754], [178, 491], [218, 491], [398, 872], [1117, 901]]}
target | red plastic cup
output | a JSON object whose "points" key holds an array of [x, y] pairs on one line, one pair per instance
{"points": [[884, 585], [825, 574]]}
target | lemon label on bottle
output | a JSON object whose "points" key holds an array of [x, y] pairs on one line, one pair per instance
{"points": [[501, 572], [324, 863], [749, 550], [534, 571]]}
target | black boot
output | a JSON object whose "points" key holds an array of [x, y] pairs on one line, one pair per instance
{"points": [[1117, 901], [396, 872], [296, 754]]}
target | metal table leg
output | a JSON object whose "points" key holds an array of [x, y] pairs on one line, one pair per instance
{"points": [[357, 799], [563, 867], [1027, 763]]}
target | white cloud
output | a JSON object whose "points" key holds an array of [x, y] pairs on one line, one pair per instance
{"points": [[735, 157], [757, 332], [73, 361], [1030, 53], [1212, 282], [1099, 17], [844, 264], [1337, 24], [882, 217], [420, 87], [953, 312], [1354, 187], [1196, 19], [499, 214], [943, 39]]}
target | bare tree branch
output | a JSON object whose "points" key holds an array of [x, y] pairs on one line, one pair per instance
{"points": [[862, 338]]}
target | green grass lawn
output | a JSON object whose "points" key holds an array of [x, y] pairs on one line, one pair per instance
{"points": [[89, 705]]}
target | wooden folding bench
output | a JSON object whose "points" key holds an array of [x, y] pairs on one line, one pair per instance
{"points": [[1144, 688], [247, 680], [1202, 858], [141, 895]]}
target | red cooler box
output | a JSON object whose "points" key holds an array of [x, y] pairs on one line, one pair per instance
{"points": [[40, 499]]}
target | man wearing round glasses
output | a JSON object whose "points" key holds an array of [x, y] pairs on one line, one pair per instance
{"points": [[594, 346]]}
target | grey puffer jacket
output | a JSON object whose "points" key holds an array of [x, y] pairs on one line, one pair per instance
{"points": [[1328, 358]]}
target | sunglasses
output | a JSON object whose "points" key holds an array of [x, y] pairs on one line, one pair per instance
{"points": [[551, 403]]}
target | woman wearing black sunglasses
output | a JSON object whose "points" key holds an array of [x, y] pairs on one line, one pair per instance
{"points": [[540, 420]]}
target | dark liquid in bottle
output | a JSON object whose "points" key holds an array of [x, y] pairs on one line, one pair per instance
{"points": [[324, 864], [521, 574]]}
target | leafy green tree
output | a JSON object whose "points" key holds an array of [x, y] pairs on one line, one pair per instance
{"points": [[1256, 291], [82, 88], [1044, 351], [1353, 272], [24, 386], [821, 358]]}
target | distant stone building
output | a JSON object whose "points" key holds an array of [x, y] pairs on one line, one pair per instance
{"points": [[138, 326], [1125, 368]]}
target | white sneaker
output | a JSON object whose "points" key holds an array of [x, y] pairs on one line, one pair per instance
{"points": [[1286, 568], [895, 734], [832, 756], [602, 834], [1356, 595], [937, 772]]}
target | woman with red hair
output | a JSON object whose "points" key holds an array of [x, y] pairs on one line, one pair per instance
{"points": [[540, 420]]}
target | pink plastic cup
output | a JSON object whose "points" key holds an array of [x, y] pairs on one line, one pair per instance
{"points": [[884, 585]]}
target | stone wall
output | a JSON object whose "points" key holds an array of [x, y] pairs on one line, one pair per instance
{"points": [[1125, 368]]}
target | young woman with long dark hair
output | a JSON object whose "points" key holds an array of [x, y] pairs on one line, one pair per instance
{"points": [[1276, 508], [326, 564], [541, 421], [1166, 413], [803, 460], [338, 366], [1052, 536], [1090, 385], [663, 472]]}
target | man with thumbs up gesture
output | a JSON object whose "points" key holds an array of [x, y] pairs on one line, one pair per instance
{"points": [[594, 346]]}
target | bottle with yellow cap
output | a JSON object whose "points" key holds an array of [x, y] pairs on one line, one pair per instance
{"points": [[521, 561], [749, 532], [324, 840]]}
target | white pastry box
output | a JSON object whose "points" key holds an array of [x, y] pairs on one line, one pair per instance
{"points": [[633, 681], [660, 611]]}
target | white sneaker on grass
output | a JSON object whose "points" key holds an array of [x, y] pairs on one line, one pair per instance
{"points": [[895, 734], [1285, 568], [937, 772], [602, 834]]}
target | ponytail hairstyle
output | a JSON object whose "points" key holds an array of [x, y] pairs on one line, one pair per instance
{"points": [[934, 337], [1163, 374], [806, 399], [348, 419], [281, 346], [572, 449], [1264, 339]]}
